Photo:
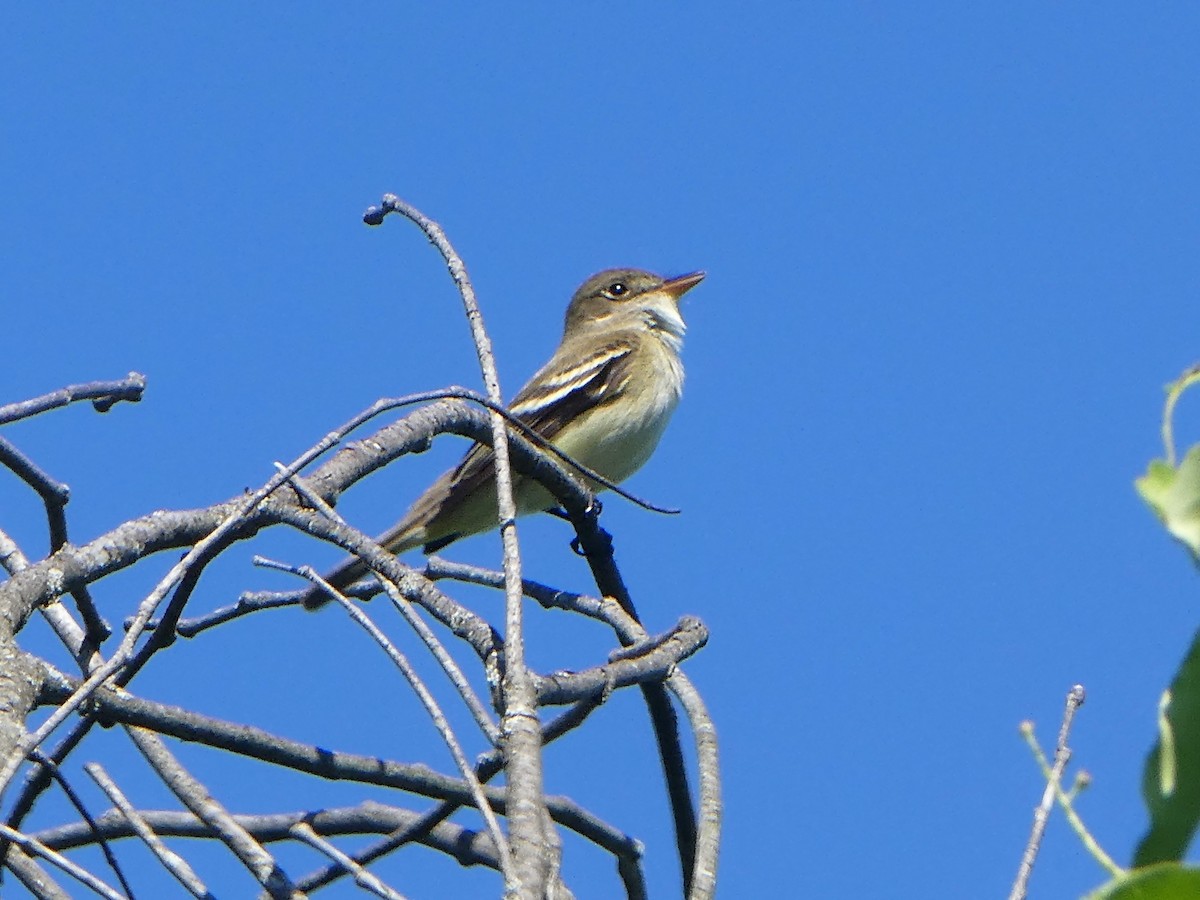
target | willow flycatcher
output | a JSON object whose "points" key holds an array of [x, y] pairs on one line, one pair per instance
{"points": [[603, 399]]}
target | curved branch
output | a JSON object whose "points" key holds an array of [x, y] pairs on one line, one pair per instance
{"points": [[469, 848], [256, 743], [534, 853]]}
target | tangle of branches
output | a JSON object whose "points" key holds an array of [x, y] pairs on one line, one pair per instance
{"points": [[51, 714]]}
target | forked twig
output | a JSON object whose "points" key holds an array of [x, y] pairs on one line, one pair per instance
{"points": [[1041, 815]]}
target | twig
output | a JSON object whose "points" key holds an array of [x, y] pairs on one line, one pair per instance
{"points": [[597, 547], [12, 560], [204, 806], [440, 722], [523, 431], [255, 743], [467, 847], [654, 661], [617, 613], [77, 802], [628, 852], [249, 602], [37, 848], [461, 621], [480, 713], [700, 876], [303, 831], [172, 861], [527, 812], [35, 879], [1066, 802], [56, 615], [1041, 815], [103, 394], [54, 495], [708, 836]]}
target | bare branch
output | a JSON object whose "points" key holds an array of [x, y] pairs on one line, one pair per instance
{"points": [[21, 677], [480, 713], [77, 802], [11, 558], [333, 765], [172, 861], [532, 867], [398, 659], [304, 832], [33, 876], [654, 660], [708, 837], [462, 622], [618, 614], [54, 495], [527, 814], [37, 848], [1041, 815], [466, 847], [205, 807], [597, 547], [627, 850], [103, 394]]}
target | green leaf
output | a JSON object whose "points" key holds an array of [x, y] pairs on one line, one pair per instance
{"points": [[1174, 495], [1164, 881], [1171, 780]]}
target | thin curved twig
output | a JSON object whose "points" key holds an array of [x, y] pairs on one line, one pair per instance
{"points": [[200, 801], [432, 708], [467, 847], [533, 855], [172, 861]]}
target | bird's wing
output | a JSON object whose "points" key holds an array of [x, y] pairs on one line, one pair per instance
{"points": [[559, 394], [553, 397]]}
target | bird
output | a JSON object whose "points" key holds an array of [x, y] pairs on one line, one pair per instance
{"points": [[604, 399]]}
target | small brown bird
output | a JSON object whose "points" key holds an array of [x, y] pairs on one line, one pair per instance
{"points": [[604, 399]]}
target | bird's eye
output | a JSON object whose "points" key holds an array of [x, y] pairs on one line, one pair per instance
{"points": [[615, 290]]}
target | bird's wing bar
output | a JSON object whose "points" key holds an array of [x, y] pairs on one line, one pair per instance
{"points": [[554, 397]]}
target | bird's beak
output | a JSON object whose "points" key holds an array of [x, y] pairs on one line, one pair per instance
{"points": [[677, 287]]}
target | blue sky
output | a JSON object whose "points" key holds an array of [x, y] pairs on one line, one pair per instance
{"points": [[952, 262]]}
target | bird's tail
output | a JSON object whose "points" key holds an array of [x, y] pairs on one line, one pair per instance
{"points": [[401, 539]]}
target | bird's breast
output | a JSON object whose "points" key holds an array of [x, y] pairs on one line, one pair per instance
{"points": [[617, 438]]}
